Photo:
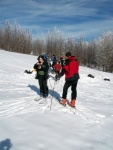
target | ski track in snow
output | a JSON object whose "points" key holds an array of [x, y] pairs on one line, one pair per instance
{"points": [[26, 104], [81, 111], [18, 107]]}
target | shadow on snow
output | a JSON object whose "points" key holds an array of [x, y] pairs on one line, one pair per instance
{"points": [[5, 145], [53, 93]]}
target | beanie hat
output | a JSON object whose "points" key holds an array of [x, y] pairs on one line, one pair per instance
{"points": [[68, 54]]}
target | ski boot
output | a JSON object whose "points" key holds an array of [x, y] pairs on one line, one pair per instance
{"points": [[72, 103], [63, 102]]}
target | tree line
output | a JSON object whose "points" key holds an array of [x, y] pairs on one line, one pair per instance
{"points": [[94, 54]]}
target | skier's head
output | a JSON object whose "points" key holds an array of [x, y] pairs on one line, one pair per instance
{"points": [[68, 54], [57, 61], [41, 58]]}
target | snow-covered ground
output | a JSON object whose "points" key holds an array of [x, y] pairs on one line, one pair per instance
{"points": [[26, 124]]}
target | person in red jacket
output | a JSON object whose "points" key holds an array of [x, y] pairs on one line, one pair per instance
{"points": [[71, 71], [57, 67]]}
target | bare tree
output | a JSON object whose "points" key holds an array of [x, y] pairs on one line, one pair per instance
{"points": [[105, 52], [38, 46], [14, 38], [97, 53], [55, 43]]}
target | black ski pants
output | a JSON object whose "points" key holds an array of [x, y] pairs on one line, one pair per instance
{"points": [[73, 85], [43, 85]]}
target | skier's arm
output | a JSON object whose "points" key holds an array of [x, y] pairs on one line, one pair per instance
{"points": [[66, 65], [64, 69], [45, 67], [35, 66], [62, 72]]}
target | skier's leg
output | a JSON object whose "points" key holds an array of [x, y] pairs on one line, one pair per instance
{"points": [[41, 85], [64, 95], [45, 87], [65, 89], [58, 75], [74, 90], [74, 94]]}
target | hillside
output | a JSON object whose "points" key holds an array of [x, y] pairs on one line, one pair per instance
{"points": [[26, 124]]}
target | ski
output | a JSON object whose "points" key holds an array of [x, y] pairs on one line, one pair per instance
{"points": [[43, 101], [69, 109], [38, 99]]}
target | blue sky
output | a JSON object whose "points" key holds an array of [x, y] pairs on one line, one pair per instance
{"points": [[75, 18]]}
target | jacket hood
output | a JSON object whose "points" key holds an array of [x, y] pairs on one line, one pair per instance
{"points": [[71, 58]]}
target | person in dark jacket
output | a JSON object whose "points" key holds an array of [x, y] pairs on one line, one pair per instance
{"points": [[42, 75], [62, 60], [53, 60], [71, 71]]}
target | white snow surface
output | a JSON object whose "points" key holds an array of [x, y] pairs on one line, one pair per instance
{"points": [[26, 124]]}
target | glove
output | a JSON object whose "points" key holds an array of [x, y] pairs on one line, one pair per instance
{"points": [[28, 72]]}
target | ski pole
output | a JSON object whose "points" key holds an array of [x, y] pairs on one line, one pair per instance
{"points": [[52, 96], [50, 83]]}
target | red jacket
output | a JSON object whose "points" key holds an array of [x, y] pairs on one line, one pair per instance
{"points": [[71, 69], [57, 67]]}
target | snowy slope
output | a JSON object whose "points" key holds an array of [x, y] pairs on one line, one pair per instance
{"points": [[26, 124]]}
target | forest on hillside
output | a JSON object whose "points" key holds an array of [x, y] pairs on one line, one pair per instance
{"points": [[97, 53]]}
